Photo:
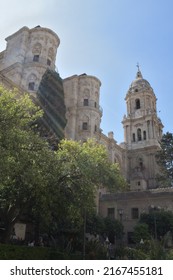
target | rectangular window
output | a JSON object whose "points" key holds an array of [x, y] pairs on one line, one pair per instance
{"points": [[85, 102], [134, 137], [36, 58], [111, 213], [135, 213], [31, 86], [85, 126], [144, 135]]}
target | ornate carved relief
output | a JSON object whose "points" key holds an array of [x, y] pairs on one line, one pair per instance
{"points": [[37, 48], [86, 93], [32, 78]]}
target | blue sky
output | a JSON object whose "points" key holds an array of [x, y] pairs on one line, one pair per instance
{"points": [[106, 38]]}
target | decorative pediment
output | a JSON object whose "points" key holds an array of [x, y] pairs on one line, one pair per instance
{"points": [[138, 124]]}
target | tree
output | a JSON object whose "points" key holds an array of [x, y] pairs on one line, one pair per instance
{"points": [[84, 168], [24, 160], [54, 187], [105, 227], [159, 222], [141, 232], [165, 160], [113, 229]]}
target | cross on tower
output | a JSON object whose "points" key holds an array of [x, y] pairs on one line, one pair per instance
{"points": [[137, 65]]}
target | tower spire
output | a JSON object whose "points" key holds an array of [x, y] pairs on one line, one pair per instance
{"points": [[137, 65], [138, 74]]}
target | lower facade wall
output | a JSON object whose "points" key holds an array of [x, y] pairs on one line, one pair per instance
{"points": [[127, 207]]}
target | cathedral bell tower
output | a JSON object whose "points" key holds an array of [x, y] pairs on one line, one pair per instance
{"points": [[142, 133]]}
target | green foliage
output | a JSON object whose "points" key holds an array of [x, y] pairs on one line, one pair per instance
{"points": [[54, 188], [83, 168], [154, 249], [170, 254], [95, 224], [105, 227], [134, 254], [165, 161], [24, 160], [159, 222], [95, 250], [113, 228], [141, 231], [151, 250], [89, 163], [14, 252]]}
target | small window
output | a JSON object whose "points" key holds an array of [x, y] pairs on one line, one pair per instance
{"points": [[133, 137], [36, 58], [140, 162], [139, 183], [138, 106], [136, 90], [85, 102], [135, 213], [95, 128], [95, 104], [85, 126], [31, 86], [144, 135], [139, 134], [48, 62], [111, 213]]}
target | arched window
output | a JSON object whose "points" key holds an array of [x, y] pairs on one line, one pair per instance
{"points": [[139, 134], [31, 82], [140, 162], [137, 102]]}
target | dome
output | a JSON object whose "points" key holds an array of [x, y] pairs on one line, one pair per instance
{"points": [[139, 84]]}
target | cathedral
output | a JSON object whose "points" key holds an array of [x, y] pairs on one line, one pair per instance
{"points": [[29, 60]]}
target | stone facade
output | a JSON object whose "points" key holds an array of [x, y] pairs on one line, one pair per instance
{"points": [[29, 53], [82, 94]]}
